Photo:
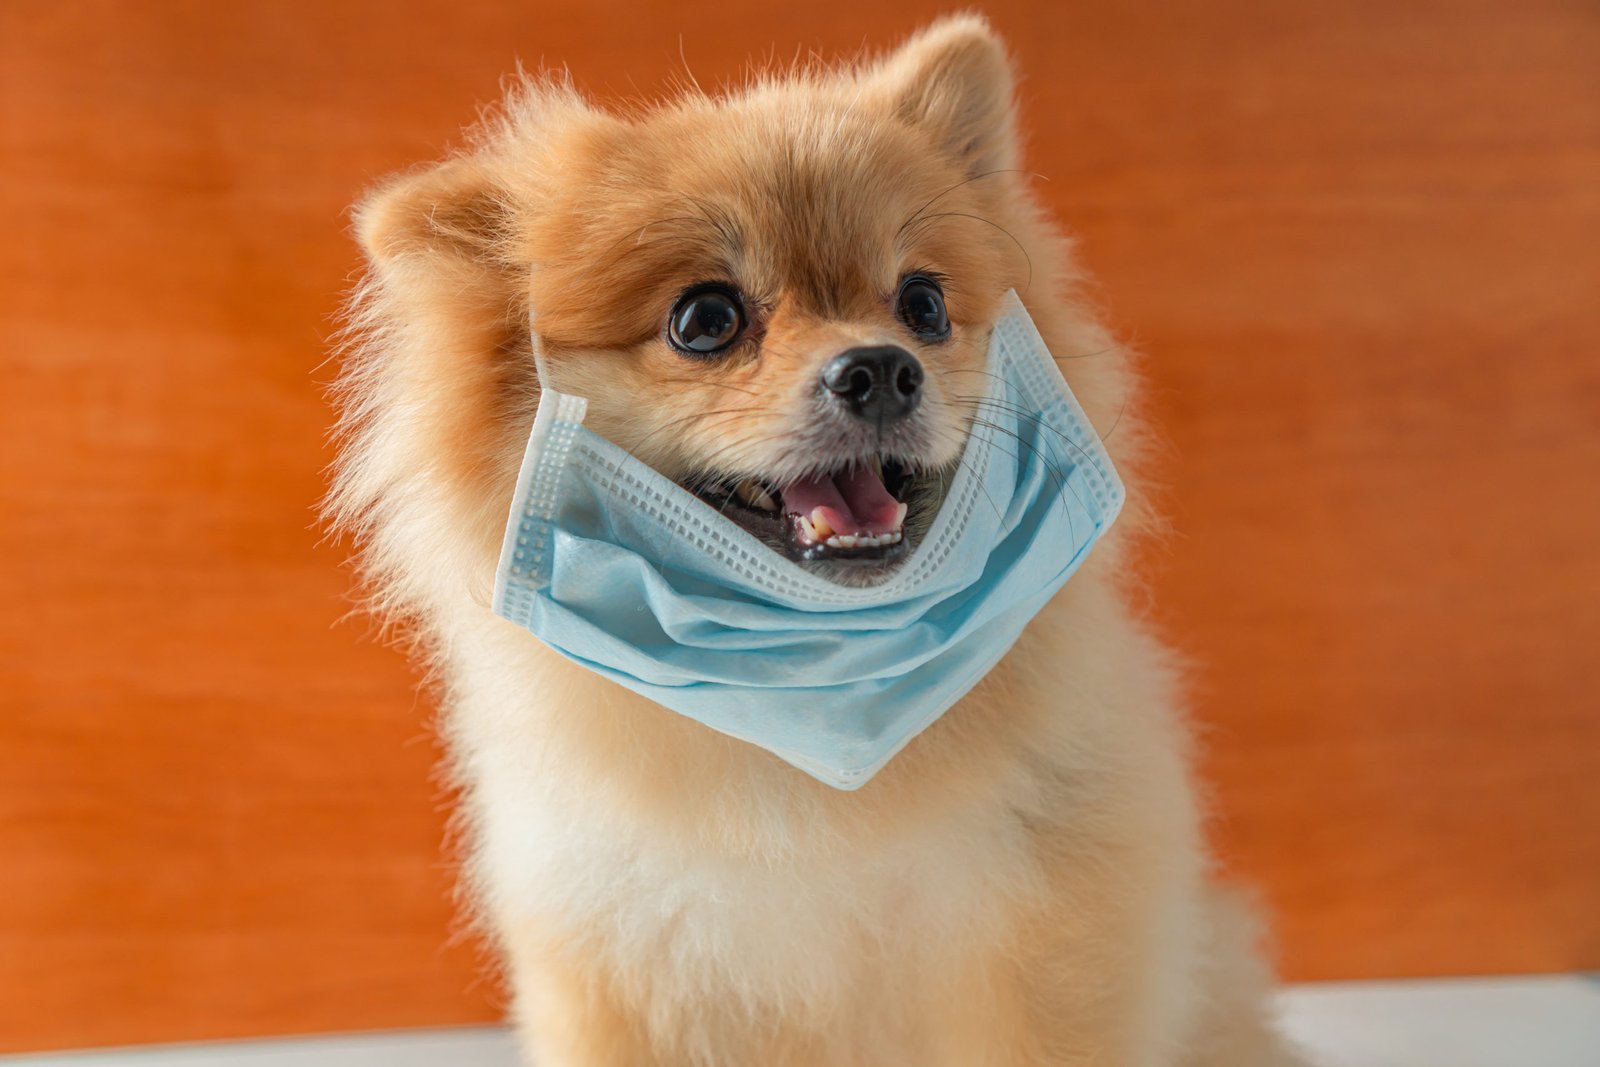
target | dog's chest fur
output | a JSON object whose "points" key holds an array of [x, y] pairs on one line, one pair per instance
{"points": [[771, 909]]}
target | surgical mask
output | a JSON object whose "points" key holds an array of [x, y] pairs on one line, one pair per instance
{"points": [[625, 572]]}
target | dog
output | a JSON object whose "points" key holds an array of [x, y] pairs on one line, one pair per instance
{"points": [[1027, 882]]}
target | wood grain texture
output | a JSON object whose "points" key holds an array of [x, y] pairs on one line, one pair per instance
{"points": [[1360, 244]]}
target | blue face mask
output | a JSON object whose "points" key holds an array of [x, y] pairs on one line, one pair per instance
{"points": [[622, 570]]}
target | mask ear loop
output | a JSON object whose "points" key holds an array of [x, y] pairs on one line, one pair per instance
{"points": [[541, 370]]}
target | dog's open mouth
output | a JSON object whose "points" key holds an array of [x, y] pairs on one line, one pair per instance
{"points": [[856, 512]]}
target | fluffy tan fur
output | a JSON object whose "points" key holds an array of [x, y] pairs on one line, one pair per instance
{"points": [[1026, 882]]}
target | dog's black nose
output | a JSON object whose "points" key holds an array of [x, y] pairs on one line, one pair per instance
{"points": [[878, 384]]}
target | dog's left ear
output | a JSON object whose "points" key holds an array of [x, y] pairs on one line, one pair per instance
{"points": [[447, 209], [954, 80]]}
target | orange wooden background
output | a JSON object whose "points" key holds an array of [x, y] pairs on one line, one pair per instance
{"points": [[1360, 241]]}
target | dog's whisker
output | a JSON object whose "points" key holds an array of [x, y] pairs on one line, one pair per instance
{"points": [[1033, 417], [958, 185], [927, 219]]}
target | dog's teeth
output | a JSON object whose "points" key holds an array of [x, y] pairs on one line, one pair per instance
{"points": [[819, 523], [807, 531], [754, 494], [877, 467], [860, 540], [900, 516]]}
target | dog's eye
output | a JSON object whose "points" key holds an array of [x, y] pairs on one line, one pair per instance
{"points": [[920, 306], [705, 321]]}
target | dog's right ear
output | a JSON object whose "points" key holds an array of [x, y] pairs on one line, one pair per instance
{"points": [[954, 80], [453, 209]]}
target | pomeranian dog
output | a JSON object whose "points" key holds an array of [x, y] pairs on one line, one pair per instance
{"points": [[1026, 883]]}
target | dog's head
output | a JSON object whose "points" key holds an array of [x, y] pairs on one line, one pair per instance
{"points": [[781, 297]]}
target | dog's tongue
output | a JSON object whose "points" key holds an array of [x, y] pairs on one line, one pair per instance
{"points": [[850, 502]]}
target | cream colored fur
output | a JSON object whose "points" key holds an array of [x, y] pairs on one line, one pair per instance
{"points": [[1026, 883]]}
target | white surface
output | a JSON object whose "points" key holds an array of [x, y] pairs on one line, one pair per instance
{"points": [[464, 1047], [1467, 1022]]}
